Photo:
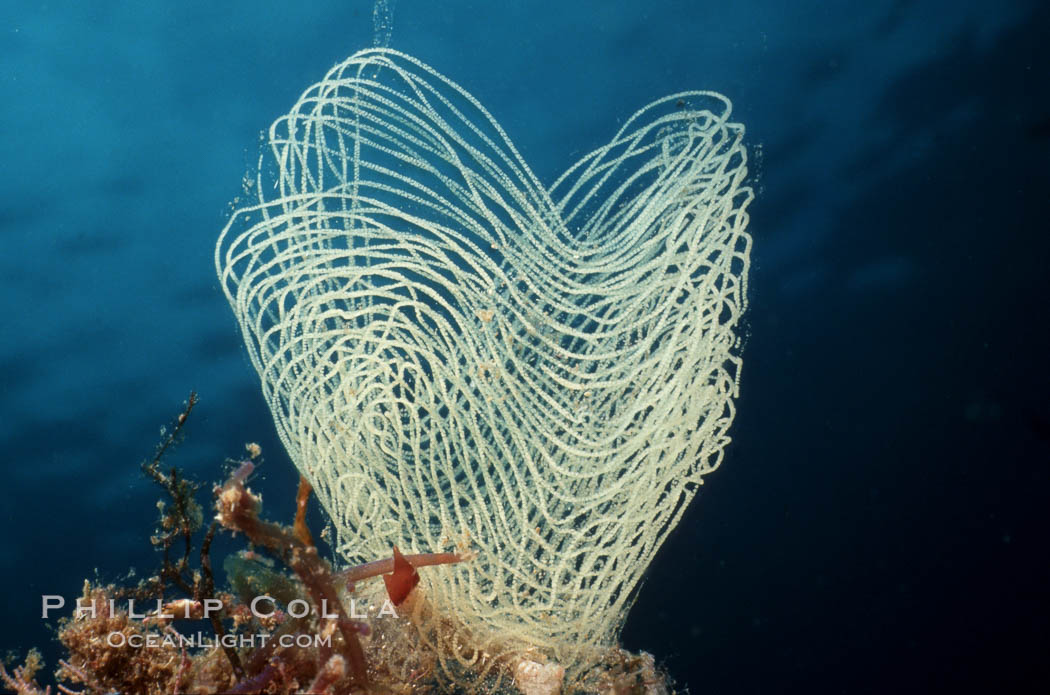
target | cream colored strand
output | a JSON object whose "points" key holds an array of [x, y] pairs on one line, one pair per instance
{"points": [[454, 354]]}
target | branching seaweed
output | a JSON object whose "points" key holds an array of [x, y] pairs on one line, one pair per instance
{"points": [[182, 517], [327, 649]]}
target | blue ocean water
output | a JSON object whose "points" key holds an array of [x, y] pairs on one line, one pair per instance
{"points": [[880, 520]]}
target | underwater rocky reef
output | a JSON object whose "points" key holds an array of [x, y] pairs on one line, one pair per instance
{"points": [[521, 386], [284, 621]]}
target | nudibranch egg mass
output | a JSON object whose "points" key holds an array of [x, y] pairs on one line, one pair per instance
{"points": [[455, 355]]}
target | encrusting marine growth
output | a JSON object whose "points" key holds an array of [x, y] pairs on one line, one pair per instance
{"points": [[519, 387], [328, 645], [458, 358]]}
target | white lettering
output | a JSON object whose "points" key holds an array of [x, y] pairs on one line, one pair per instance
{"points": [[88, 608], [160, 611], [324, 609], [131, 610], [295, 612], [49, 601], [210, 605], [387, 609], [255, 603]]}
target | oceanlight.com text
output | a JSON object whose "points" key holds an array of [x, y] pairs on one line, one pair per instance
{"points": [[201, 640]]}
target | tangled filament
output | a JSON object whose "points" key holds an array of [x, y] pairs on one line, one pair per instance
{"points": [[454, 354]]}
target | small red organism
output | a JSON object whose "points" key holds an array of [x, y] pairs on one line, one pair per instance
{"points": [[402, 580]]}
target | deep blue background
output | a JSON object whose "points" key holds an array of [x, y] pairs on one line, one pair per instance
{"points": [[880, 522]]}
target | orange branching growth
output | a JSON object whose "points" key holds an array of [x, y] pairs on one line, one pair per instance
{"points": [[302, 532], [330, 674], [238, 510], [110, 649], [20, 680]]}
